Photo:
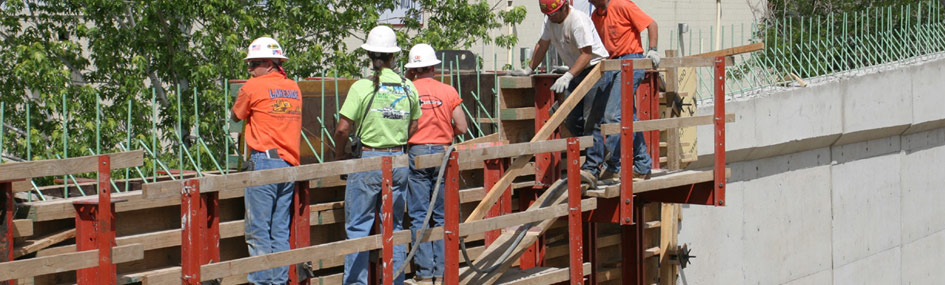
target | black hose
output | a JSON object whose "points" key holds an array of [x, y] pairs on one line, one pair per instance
{"points": [[426, 220]]}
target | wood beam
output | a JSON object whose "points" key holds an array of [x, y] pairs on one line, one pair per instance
{"points": [[502, 151], [56, 167], [66, 262], [665, 124], [732, 51]]}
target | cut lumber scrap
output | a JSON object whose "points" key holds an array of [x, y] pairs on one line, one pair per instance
{"points": [[241, 180], [673, 179], [482, 139], [22, 228], [55, 167], [539, 275], [798, 79], [66, 262], [646, 63], [502, 151], [665, 124], [32, 246], [519, 163], [732, 51]]}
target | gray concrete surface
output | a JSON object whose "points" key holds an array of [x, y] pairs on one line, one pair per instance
{"points": [[837, 183]]}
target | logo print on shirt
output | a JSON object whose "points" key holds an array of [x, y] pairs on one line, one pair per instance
{"points": [[428, 102], [284, 107], [389, 112]]}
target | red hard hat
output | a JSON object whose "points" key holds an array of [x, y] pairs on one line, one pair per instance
{"points": [[550, 6]]}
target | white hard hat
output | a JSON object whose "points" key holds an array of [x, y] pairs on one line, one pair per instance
{"points": [[422, 55], [265, 48], [381, 39]]}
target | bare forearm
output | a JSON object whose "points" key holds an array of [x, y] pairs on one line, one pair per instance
{"points": [[654, 34], [580, 63], [539, 54]]}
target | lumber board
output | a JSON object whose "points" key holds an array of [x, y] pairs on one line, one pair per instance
{"points": [[512, 114], [482, 139], [668, 241], [22, 228], [515, 82], [732, 51], [56, 167], [685, 177], [519, 163], [66, 262], [32, 246], [665, 124], [134, 200], [646, 63], [502, 151], [242, 180], [540, 275]]}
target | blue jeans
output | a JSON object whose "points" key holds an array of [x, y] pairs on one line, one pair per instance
{"points": [[267, 220], [429, 256], [362, 203], [587, 116]]}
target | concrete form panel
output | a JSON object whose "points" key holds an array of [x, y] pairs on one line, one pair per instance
{"points": [[927, 90], [881, 268], [923, 190], [819, 278], [788, 234], [799, 114], [715, 236], [922, 260], [876, 101], [866, 207], [866, 149], [738, 135]]}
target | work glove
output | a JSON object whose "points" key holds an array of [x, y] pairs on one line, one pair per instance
{"points": [[561, 69], [562, 83], [655, 56], [523, 72]]}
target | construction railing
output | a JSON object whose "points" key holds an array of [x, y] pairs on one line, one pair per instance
{"points": [[96, 253]]}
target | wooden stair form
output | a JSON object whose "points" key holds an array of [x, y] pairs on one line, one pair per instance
{"points": [[656, 182], [539, 275]]}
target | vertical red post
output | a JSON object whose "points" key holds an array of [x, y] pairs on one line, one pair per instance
{"points": [[575, 235], [647, 99], [451, 221], [300, 232], [210, 228], [387, 219], [547, 165], [95, 229], [493, 171], [192, 237], [626, 142], [6, 224], [632, 269], [534, 255], [719, 119]]}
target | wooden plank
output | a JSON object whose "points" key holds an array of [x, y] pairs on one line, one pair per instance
{"points": [[519, 162], [76, 165], [540, 275], [35, 245], [483, 139], [502, 151], [66, 262], [668, 242], [515, 82], [680, 178], [22, 228], [646, 63], [732, 51], [242, 180], [63, 209], [664, 124], [525, 113]]}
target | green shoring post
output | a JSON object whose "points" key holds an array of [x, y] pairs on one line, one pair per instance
{"points": [[65, 181], [121, 146], [98, 123], [197, 128], [312, 148], [495, 81], [2, 105], [330, 139], [154, 158], [65, 142], [110, 181], [321, 134], [128, 137], [190, 158], [466, 110], [226, 125], [157, 162], [180, 143], [29, 132], [200, 143]]}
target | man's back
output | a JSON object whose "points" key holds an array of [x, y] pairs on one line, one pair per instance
{"points": [[272, 107], [437, 100]]}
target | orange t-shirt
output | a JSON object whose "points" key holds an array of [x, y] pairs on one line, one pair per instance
{"points": [[437, 100], [619, 27], [272, 107]]}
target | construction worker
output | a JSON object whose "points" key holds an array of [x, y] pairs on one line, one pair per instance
{"points": [[383, 111], [619, 23], [442, 119], [579, 46], [271, 104]]}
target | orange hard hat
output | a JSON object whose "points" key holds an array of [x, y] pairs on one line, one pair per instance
{"points": [[550, 6]]}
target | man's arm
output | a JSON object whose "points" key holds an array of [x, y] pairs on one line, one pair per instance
{"points": [[539, 54], [233, 117], [653, 32], [582, 60], [341, 137], [459, 122], [413, 128]]}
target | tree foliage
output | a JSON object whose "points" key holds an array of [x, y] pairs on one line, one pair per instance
{"points": [[74, 51]]}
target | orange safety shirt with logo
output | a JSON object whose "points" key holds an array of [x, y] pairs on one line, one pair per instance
{"points": [[272, 107], [437, 100], [619, 27]]}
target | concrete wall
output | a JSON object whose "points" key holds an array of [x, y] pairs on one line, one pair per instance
{"points": [[839, 183]]}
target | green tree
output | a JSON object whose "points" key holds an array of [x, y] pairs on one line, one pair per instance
{"points": [[74, 51]]}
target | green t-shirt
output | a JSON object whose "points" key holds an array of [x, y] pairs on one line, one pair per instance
{"points": [[389, 116]]}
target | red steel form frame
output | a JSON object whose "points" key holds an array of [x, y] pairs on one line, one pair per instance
{"points": [[632, 267], [718, 192], [6, 224], [200, 234], [626, 142], [648, 108], [95, 229], [387, 219], [493, 171], [300, 232], [575, 233], [547, 166], [451, 221]]}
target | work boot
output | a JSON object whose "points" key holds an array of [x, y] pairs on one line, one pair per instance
{"points": [[609, 178], [412, 281], [644, 176], [589, 178]]}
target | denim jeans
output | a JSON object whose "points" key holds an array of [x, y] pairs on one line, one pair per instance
{"points": [[587, 118], [267, 220], [362, 203], [429, 256]]}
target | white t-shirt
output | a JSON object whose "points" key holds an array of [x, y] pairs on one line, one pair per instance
{"points": [[572, 34]]}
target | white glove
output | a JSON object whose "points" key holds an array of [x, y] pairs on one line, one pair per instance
{"points": [[560, 69], [655, 56], [562, 83], [523, 72]]}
